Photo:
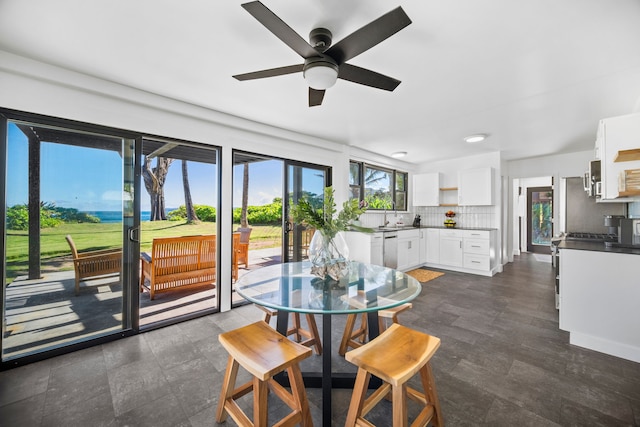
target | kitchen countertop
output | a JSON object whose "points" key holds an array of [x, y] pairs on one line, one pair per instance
{"points": [[597, 247], [409, 227]]}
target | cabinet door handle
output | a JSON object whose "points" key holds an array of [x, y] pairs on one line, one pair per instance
{"points": [[460, 244], [475, 246]]}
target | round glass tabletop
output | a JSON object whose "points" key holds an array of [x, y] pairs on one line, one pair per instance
{"points": [[292, 287]]}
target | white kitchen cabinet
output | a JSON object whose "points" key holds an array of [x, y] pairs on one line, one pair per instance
{"points": [[617, 134], [475, 187], [599, 296], [365, 247], [426, 189], [423, 246], [408, 249], [468, 251], [477, 249], [432, 248], [451, 247]]}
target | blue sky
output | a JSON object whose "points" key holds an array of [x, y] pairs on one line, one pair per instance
{"points": [[91, 179]]}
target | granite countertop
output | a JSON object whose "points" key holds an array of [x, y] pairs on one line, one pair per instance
{"points": [[596, 246]]}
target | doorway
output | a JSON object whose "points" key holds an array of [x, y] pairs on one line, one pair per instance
{"points": [[540, 219]]}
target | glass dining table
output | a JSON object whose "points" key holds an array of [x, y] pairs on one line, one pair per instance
{"points": [[291, 287]]}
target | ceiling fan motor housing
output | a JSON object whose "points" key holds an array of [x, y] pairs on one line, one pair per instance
{"points": [[320, 38]]}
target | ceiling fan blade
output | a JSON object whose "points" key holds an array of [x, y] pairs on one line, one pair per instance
{"points": [[367, 77], [271, 72], [280, 29], [315, 97], [369, 35]]}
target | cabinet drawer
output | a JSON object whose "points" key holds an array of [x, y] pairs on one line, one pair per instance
{"points": [[475, 246], [476, 262], [477, 234], [451, 233]]}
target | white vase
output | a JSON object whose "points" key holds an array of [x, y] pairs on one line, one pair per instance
{"points": [[329, 256]]}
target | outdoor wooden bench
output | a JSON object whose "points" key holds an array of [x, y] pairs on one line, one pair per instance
{"points": [[94, 264], [179, 263]]}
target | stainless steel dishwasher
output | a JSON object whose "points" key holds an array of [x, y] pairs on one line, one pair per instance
{"points": [[390, 249]]}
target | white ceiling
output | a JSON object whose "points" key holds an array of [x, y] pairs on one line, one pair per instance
{"points": [[536, 75]]}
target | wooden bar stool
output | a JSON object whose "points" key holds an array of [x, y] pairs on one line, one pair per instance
{"points": [[395, 356], [355, 338], [312, 336], [264, 353]]}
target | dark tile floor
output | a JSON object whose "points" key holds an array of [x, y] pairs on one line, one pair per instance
{"points": [[502, 362]]}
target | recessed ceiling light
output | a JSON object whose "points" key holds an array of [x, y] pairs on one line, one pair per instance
{"points": [[472, 139], [398, 154]]}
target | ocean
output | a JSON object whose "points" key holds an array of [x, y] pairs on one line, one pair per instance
{"points": [[116, 216]]}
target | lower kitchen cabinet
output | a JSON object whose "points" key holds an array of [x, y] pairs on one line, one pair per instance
{"points": [[599, 296], [408, 249], [432, 246], [468, 251], [477, 249], [451, 247], [365, 247]]}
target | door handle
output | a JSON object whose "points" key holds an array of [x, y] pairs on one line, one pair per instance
{"points": [[132, 232], [288, 227]]}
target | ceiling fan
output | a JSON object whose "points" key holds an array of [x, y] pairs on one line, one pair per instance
{"points": [[324, 63]]}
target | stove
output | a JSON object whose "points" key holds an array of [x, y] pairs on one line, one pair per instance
{"points": [[590, 237]]}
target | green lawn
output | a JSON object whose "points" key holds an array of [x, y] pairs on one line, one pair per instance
{"points": [[105, 236]]}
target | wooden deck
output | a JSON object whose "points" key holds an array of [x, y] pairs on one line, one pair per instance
{"points": [[45, 312]]}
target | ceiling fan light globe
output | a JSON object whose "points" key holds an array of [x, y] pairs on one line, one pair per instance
{"points": [[320, 76]]}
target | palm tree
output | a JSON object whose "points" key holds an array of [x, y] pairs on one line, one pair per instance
{"points": [[188, 203], [245, 196]]}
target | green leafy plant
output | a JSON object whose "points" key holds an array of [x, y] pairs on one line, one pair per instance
{"points": [[325, 218]]}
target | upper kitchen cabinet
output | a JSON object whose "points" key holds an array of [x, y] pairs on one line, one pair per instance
{"points": [[426, 189], [618, 144], [475, 187]]}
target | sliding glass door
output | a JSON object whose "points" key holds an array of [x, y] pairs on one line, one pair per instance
{"points": [[302, 180], [263, 188], [68, 211]]}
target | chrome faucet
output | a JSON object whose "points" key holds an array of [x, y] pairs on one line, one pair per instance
{"points": [[384, 220]]}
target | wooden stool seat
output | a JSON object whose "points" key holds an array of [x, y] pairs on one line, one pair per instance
{"points": [[312, 336], [395, 356], [354, 338], [263, 352]]}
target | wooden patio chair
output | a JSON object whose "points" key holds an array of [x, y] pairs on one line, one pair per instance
{"points": [[94, 264]]}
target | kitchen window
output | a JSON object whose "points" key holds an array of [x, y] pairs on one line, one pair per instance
{"points": [[380, 187]]}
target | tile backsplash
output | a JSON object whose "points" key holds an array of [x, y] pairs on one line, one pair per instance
{"points": [[466, 216]]}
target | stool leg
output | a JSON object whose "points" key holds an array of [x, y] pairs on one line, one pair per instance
{"points": [[228, 385], [299, 394], [260, 393], [296, 327], [429, 385], [357, 399], [346, 336], [313, 328], [399, 397]]}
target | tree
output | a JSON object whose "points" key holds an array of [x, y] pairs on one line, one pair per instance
{"points": [[154, 183], [188, 203], [245, 196]]}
